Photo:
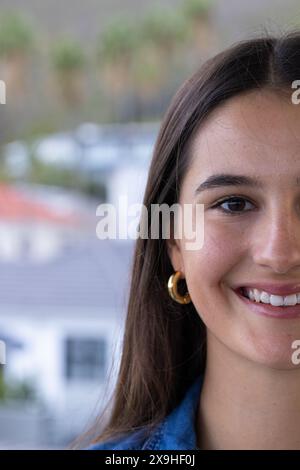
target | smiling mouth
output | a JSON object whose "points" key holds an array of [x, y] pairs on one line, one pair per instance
{"points": [[243, 291], [267, 309]]}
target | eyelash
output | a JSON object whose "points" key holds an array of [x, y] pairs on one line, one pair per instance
{"points": [[219, 203]]}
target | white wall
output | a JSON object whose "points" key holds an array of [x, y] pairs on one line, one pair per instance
{"points": [[42, 359]]}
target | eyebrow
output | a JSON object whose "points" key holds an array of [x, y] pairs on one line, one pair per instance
{"points": [[223, 179]]}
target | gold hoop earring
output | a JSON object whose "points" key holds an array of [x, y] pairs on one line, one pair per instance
{"points": [[173, 290]]}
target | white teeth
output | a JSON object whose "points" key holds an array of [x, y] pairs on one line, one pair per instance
{"points": [[290, 299], [256, 295], [275, 300], [251, 295], [265, 298]]}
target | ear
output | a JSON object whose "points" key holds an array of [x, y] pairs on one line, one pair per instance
{"points": [[175, 254]]}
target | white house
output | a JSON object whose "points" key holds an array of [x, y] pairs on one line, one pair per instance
{"points": [[63, 295]]}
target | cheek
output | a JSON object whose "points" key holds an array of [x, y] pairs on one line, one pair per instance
{"points": [[209, 266], [209, 270], [210, 273]]}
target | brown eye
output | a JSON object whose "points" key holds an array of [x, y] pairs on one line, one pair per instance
{"points": [[235, 205]]}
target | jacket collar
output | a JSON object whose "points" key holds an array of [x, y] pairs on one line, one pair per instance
{"points": [[178, 430]]}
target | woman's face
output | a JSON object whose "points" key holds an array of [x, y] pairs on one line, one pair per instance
{"points": [[256, 135]]}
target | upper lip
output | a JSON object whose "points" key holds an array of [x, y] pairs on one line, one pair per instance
{"points": [[273, 288]]}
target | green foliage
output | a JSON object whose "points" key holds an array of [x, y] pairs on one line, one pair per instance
{"points": [[94, 188], [22, 390], [120, 40], [197, 8], [4, 176], [137, 59], [67, 55], [2, 384], [15, 34], [164, 28], [51, 175]]}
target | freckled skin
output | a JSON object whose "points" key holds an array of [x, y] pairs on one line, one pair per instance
{"points": [[256, 134]]}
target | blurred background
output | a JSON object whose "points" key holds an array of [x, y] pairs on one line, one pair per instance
{"points": [[87, 84]]}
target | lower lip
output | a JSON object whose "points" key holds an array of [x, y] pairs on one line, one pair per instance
{"points": [[293, 311]]}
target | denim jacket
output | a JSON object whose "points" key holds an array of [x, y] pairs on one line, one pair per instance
{"points": [[176, 432]]}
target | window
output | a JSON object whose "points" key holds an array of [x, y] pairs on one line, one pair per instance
{"points": [[85, 358]]}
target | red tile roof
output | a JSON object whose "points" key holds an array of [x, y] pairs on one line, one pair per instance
{"points": [[15, 206]]}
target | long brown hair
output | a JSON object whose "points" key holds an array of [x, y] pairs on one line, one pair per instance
{"points": [[164, 344]]}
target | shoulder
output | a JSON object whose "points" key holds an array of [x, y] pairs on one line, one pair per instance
{"points": [[177, 431]]}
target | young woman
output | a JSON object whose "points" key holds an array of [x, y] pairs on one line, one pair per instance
{"points": [[207, 359]]}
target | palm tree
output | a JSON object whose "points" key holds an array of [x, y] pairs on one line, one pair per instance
{"points": [[16, 41], [197, 8], [116, 50], [199, 15], [68, 61], [164, 29], [138, 59], [117, 47], [163, 34]]}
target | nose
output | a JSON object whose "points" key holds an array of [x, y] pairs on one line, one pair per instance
{"points": [[277, 243]]}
